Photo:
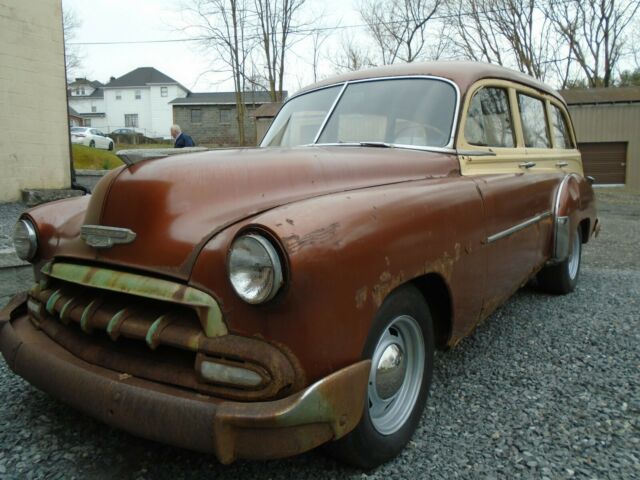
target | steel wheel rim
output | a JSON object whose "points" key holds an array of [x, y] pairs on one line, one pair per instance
{"points": [[574, 259], [388, 415]]}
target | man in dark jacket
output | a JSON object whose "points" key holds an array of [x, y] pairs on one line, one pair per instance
{"points": [[181, 139]]}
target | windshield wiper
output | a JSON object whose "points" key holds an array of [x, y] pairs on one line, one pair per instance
{"points": [[376, 144]]}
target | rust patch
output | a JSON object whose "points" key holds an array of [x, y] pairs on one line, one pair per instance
{"points": [[294, 243], [361, 297], [386, 284]]}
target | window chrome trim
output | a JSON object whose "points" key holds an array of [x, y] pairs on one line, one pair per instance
{"points": [[455, 151], [520, 226], [329, 112], [346, 83]]}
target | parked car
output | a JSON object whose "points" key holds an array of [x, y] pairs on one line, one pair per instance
{"points": [[258, 303], [91, 137], [124, 131]]}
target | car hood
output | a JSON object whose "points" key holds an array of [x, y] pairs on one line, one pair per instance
{"points": [[178, 203]]}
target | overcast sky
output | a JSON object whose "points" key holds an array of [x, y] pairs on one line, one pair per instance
{"points": [[144, 20]]}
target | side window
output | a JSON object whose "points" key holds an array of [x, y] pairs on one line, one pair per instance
{"points": [[561, 135], [489, 119], [534, 122]]}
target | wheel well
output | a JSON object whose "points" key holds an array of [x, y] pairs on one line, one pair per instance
{"points": [[584, 229], [436, 293]]}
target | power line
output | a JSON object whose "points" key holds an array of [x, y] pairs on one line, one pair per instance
{"points": [[303, 30]]}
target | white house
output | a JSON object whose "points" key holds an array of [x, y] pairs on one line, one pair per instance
{"points": [[86, 100], [139, 99]]}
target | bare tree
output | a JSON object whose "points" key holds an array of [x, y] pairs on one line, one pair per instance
{"points": [[224, 24], [475, 37], [508, 32], [399, 27], [352, 57], [318, 37], [594, 31], [277, 22], [72, 57]]}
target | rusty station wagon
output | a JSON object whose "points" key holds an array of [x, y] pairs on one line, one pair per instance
{"points": [[257, 303]]}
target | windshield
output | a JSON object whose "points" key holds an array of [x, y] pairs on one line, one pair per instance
{"points": [[402, 112]]}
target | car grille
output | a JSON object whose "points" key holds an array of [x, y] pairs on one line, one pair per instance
{"points": [[152, 328]]}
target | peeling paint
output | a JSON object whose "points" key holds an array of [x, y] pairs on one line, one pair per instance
{"points": [[361, 297], [294, 243]]}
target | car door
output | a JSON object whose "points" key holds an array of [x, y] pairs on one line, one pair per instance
{"points": [[516, 203]]}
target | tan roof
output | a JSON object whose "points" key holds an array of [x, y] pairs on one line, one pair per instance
{"points": [[582, 96], [463, 73], [267, 110]]}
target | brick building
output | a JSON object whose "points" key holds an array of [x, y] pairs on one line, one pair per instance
{"points": [[210, 118]]}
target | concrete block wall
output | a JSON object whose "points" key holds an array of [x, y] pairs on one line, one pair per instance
{"points": [[34, 144], [210, 131]]}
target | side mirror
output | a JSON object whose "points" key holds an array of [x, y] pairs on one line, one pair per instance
{"points": [[590, 179]]}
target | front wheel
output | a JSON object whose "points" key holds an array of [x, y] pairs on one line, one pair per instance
{"points": [[400, 346], [563, 277], [92, 144]]}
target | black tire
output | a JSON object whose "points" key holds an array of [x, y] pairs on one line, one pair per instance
{"points": [[92, 144], [365, 447], [562, 278], [110, 146]]}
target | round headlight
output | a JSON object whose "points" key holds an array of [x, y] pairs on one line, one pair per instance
{"points": [[25, 240], [254, 269]]}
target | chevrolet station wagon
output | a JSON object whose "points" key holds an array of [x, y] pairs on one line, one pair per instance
{"points": [[257, 303]]}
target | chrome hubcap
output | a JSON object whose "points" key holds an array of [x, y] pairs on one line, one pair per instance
{"points": [[574, 259], [390, 373], [397, 368]]}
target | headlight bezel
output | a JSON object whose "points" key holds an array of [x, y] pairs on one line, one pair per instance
{"points": [[31, 236], [277, 263]]}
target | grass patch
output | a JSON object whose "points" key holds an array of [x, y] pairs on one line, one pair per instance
{"points": [[87, 158]]}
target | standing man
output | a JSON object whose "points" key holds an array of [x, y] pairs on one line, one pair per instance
{"points": [[181, 139]]}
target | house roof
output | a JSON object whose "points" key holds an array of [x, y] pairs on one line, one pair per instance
{"points": [[84, 81], [594, 96], [73, 113], [267, 110], [223, 98], [140, 77]]}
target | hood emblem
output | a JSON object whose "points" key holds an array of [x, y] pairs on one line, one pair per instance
{"points": [[98, 236]]}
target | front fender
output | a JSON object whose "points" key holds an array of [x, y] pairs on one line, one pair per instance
{"points": [[345, 253]]}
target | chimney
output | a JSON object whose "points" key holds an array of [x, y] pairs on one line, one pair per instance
{"points": [[112, 79]]}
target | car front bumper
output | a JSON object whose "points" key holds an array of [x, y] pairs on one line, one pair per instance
{"points": [[326, 410]]}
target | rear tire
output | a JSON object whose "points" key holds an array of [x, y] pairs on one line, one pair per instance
{"points": [[398, 383], [110, 146], [563, 277]]}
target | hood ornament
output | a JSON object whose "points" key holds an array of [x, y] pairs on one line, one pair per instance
{"points": [[98, 236]]}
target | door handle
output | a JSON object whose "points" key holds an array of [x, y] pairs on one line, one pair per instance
{"points": [[527, 164], [562, 164]]}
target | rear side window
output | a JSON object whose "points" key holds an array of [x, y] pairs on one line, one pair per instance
{"points": [[561, 135], [489, 121], [534, 122]]}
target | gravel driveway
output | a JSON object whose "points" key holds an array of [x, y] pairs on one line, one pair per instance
{"points": [[547, 387]]}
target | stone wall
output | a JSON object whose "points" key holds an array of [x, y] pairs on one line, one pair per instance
{"points": [[210, 130], [34, 145]]}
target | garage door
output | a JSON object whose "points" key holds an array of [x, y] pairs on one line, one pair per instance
{"points": [[605, 161]]}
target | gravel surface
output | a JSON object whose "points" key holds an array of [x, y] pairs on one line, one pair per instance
{"points": [[547, 387], [9, 214]]}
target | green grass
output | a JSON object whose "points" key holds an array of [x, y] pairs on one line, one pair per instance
{"points": [[87, 158]]}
